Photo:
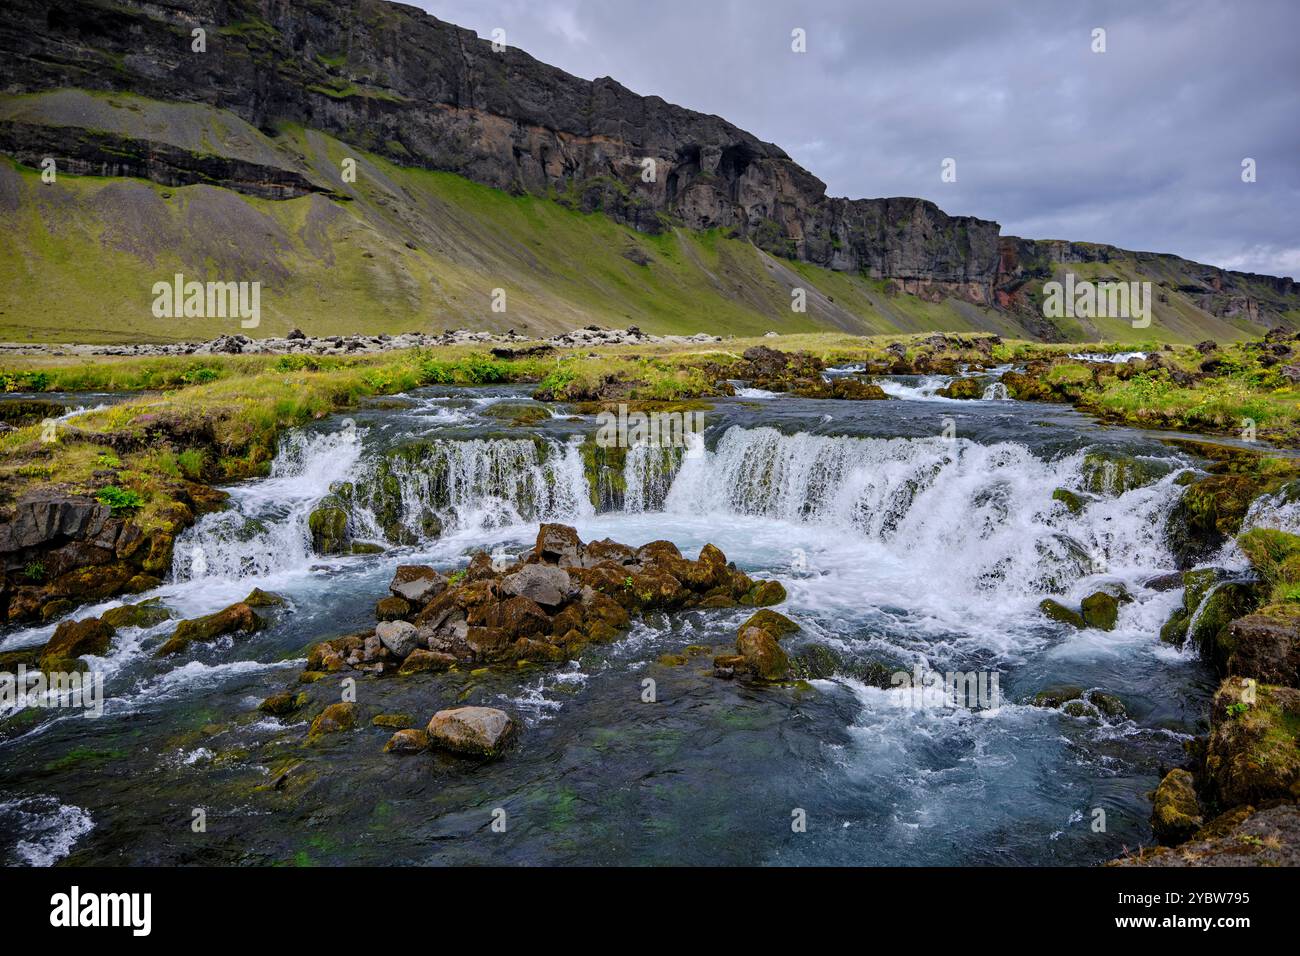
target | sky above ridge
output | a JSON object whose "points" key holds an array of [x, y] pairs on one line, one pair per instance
{"points": [[1140, 146]]}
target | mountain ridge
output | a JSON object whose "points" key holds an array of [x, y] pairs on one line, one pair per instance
{"points": [[415, 91]]}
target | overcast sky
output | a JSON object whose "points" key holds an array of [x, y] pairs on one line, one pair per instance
{"points": [[1140, 146]]}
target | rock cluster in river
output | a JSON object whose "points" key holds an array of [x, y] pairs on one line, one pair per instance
{"points": [[561, 596]]}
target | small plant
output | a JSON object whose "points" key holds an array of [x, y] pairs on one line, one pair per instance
{"points": [[456, 576], [34, 572], [108, 460], [120, 500], [1238, 709]]}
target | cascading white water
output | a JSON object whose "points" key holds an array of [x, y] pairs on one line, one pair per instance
{"points": [[265, 528], [648, 473], [471, 484], [976, 517], [925, 389], [996, 392]]}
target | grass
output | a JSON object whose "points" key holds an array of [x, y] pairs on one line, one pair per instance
{"points": [[411, 249]]}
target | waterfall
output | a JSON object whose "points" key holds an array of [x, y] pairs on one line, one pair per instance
{"points": [[265, 528], [996, 392], [981, 516], [417, 492]]}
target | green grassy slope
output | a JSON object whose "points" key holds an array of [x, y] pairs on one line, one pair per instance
{"points": [[408, 249]]}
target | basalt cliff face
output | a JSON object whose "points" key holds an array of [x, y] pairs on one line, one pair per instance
{"points": [[420, 92]]}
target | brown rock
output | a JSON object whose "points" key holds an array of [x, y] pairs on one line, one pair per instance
{"points": [[475, 731]]}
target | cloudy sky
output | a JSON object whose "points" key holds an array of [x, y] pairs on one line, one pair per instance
{"points": [[1140, 146]]}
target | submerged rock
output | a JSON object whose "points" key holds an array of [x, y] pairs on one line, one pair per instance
{"points": [[1243, 836], [283, 703], [328, 525], [474, 731], [259, 598], [407, 741], [334, 719]]}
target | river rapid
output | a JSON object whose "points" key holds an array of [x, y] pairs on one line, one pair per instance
{"points": [[918, 531]]}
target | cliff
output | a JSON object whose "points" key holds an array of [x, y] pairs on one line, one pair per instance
{"points": [[408, 88]]}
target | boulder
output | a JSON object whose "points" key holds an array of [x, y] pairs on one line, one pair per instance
{"points": [[417, 583], [399, 637], [558, 544], [420, 660], [963, 388], [328, 525], [1266, 645], [1253, 753], [775, 623], [763, 656], [392, 608], [259, 598], [236, 619], [144, 614], [334, 719], [543, 584], [72, 639], [1177, 813], [1100, 610], [474, 731], [764, 593]]}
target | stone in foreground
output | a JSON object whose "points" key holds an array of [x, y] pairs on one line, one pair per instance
{"points": [[473, 731]]}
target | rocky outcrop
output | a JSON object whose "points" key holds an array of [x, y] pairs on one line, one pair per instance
{"points": [[560, 597], [60, 551]]}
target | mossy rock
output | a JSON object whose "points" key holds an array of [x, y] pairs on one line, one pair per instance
{"points": [[1112, 474], [1055, 697], [1176, 814], [328, 524], [764, 593], [1073, 502], [963, 388], [1174, 630], [284, 703], [392, 608], [144, 614], [764, 658], [1100, 610], [392, 721], [517, 414], [1209, 632], [334, 719], [775, 623], [1253, 751], [259, 598], [72, 639], [236, 619], [1056, 611]]}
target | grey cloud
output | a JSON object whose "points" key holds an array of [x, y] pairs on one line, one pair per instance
{"points": [[1140, 146]]}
